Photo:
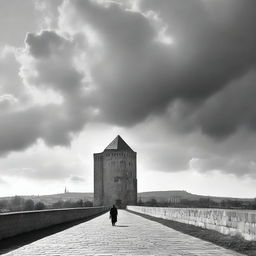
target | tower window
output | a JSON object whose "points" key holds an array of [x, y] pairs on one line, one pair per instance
{"points": [[117, 179]]}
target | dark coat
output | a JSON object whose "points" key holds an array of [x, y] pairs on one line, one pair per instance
{"points": [[113, 214]]}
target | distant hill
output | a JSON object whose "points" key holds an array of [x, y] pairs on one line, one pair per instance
{"points": [[51, 199], [144, 196], [166, 195], [180, 195]]}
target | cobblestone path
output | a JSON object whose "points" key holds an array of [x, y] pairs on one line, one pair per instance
{"points": [[133, 235]]}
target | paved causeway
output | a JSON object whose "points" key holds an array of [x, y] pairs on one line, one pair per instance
{"points": [[133, 235]]}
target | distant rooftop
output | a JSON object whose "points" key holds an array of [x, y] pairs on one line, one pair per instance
{"points": [[118, 144]]}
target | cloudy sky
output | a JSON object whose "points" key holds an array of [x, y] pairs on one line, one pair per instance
{"points": [[175, 78]]}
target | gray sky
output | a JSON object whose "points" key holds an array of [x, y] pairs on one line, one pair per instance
{"points": [[175, 78]]}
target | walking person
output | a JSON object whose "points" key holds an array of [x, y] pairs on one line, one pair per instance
{"points": [[113, 215]]}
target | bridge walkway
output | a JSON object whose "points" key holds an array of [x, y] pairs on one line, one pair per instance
{"points": [[133, 235]]}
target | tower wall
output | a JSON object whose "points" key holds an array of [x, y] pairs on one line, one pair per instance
{"points": [[98, 179], [115, 175], [119, 178]]}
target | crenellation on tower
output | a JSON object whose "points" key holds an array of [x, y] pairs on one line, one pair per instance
{"points": [[115, 178]]}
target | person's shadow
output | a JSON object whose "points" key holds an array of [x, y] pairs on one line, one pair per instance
{"points": [[121, 226]]}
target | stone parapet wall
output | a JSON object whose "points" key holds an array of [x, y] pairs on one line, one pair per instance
{"points": [[12, 224], [231, 222]]}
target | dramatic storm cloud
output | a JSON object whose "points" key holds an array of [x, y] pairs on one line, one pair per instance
{"points": [[177, 77]]}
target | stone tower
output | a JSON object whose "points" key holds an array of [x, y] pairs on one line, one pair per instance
{"points": [[115, 178]]}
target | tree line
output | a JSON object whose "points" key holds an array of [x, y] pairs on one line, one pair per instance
{"points": [[202, 203], [18, 203]]}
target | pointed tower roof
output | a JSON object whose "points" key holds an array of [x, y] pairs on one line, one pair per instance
{"points": [[118, 144]]}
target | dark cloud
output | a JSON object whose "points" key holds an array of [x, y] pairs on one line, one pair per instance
{"points": [[53, 124], [239, 167], [162, 148], [217, 44], [129, 74], [134, 75], [53, 69], [18, 130], [140, 76], [45, 44], [54, 63], [230, 109]]}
